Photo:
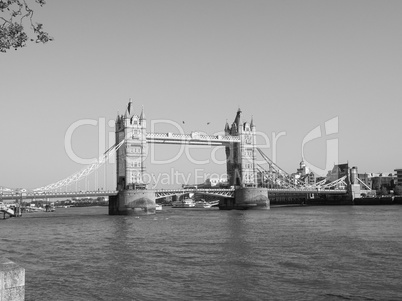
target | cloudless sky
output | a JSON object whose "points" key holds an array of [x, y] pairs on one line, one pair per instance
{"points": [[292, 65]]}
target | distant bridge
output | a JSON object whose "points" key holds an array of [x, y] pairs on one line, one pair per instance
{"points": [[161, 193], [55, 194]]}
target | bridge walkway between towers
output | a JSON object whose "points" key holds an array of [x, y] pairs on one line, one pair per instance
{"points": [[194, 138]]}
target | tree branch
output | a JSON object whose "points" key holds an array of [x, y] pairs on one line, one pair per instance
{"points": [[12, 34]]}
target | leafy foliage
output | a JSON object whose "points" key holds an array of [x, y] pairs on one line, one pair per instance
{"points": [[398, 190], [383, 191], [13, 13]]}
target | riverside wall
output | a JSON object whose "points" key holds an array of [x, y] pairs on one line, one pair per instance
{"points": [[12, 281], [295, 200]]}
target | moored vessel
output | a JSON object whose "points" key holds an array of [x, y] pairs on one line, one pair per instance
{"points": [[202, 204], [186, 203]]}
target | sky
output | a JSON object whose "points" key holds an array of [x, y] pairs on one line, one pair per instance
{"points": [[292, 66]]}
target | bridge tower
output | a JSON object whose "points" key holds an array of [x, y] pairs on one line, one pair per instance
{"points": [[130, 157], [241, 167], [241, 156], [133, 197]]}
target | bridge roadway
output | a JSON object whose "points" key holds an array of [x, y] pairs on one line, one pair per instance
{"points": [[159, 193]]}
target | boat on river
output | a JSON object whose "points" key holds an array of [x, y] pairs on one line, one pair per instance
{"points": [[214, 203], [6, 210], [186, 203], [158, 207], [202, 204]]}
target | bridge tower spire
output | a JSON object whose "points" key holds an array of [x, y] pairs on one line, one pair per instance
{"points": [[227, 128], [142, 116]]}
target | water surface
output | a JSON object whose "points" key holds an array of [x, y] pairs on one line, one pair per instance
{"points": [[293, 253]]}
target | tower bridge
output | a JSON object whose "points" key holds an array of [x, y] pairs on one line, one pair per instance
{"points": [[239, 141], [245, 177], [250, 184]]}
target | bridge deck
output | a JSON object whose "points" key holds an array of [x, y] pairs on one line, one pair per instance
{"points": [[159, 192], [306, 191], [45, 195]]}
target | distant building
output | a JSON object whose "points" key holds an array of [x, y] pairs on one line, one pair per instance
{"points": [[303, 170], [398, 176], [381, 180], [304, 175], [337, 172], [366, 179], [311, 178]]}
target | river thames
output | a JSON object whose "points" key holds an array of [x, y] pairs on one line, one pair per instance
{"points": [[287, 253]]}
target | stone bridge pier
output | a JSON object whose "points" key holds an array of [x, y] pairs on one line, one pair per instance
{"points": [[247, 198], [133, 202]]}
